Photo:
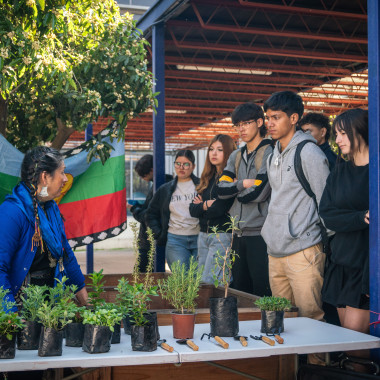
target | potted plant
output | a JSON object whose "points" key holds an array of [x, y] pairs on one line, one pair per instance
{"points": [[99, 326], [272, 313], [10, 323], [181, 289], [124, 301], [224, 319], [144, 331], [74, 331], [32, 297], [54, 316]]}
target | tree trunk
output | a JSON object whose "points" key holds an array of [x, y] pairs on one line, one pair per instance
{"points": [[63, 134], [3, 115]]}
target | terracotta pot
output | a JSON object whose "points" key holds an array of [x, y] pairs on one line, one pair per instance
{"points": [[183, 325]]}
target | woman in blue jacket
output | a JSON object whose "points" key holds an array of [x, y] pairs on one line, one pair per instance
{"points": [[34, 248]]}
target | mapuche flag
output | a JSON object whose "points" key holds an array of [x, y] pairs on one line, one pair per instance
{"points": [[93, 201]]}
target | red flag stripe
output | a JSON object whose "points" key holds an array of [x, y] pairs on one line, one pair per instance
{"points": [[94, 215]]}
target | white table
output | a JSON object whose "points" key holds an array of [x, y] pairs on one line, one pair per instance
{"points": [[302, 336]]}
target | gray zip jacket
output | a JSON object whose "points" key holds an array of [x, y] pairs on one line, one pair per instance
{"points": [[291, 224], [250, 205]]}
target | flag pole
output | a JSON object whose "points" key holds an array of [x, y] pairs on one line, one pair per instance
{"points": [[89, 247]]}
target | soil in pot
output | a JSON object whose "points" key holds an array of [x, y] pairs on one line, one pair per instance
{"points": [[50, 342], [74, 334], [272, 322], [28, 338], [183, 325], [144, 338], [7, 347], [116, 334], [224, 319], [97, 339]]}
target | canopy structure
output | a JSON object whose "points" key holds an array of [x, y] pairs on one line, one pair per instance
{"points": [[220, 53]]}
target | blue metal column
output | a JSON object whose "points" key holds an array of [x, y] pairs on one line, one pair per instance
{"points": [[374, 158], [89, 247], [158, 64]]}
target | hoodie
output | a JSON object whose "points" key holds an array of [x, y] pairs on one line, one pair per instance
{"points": [[250, 206], [291, 224]]}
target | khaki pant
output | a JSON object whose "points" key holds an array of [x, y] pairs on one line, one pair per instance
{"points": [[299, 278]]}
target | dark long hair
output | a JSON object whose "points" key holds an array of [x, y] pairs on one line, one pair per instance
{"points": [[355, 124], [209, 169], [36, 161]]}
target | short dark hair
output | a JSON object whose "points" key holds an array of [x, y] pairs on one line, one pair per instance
{"points": [[318, 120], [186, 153], [144, 165], [354, 123], [249, 111], [285, 101]]}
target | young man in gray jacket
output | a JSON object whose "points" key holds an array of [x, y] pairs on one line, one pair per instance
{"points": [[245, 179], [291, 231]]}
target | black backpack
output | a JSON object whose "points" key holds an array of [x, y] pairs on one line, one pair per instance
{"points": [[306, 186]]}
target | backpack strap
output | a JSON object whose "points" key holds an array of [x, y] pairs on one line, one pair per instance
{"points": [[237, 163], [299, 171]]}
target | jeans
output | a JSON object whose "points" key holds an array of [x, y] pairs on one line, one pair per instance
{"points": [[181, 248], [208, 246]]}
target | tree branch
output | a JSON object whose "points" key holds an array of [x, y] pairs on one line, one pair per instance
{"points": [[63, 134], [3, 115]]}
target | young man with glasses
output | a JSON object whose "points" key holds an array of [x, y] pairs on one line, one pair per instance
{"points": [[245, 179]]}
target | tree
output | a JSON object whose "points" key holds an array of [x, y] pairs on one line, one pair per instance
{"points": [[64, 63]]}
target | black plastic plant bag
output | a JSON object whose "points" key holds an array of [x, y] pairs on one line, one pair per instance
{"points": [[74, 334], [28, 338], [50, 342], [97, 339], [272, 322], [151, 316], [116, 334], [7, 347], [144, 338], [224, 318]]}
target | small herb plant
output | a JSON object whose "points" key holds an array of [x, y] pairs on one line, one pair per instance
{"points": [[95, 296], [124, 295], [54, 312], [32, 298], [181, 288], [10, 321], [273, 303], [225, 260], [102, 317], [140, 292]]}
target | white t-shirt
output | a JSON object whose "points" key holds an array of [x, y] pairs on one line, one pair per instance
{"points": [[181, 222]]}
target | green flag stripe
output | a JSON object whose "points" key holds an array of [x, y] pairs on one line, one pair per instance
{"points": [[98, 180], [7, 183]]}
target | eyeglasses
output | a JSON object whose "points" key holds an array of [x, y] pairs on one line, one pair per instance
{"points": [[181, 165], [244, 124]]}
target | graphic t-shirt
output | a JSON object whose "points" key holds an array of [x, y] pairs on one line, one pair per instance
{"points": [[181, 222]]}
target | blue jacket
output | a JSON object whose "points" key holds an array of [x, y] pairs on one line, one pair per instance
{"points": [[16, 252]]}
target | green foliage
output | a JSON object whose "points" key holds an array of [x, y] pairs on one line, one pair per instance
{"points": [[124, 295], [55, 312], [140, 292], [10, 322], [273, 303], [225, 260], [181, 288], [65, 63], [104, 316], [32, 298], [95, 297]]}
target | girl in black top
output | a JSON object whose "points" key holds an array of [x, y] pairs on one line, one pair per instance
{"points": [[344, 209], [212, 211]]}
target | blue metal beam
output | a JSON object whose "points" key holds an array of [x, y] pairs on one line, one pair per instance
{"points": [[374, 158], [156, 13], [89, 247], [158, 64]]}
